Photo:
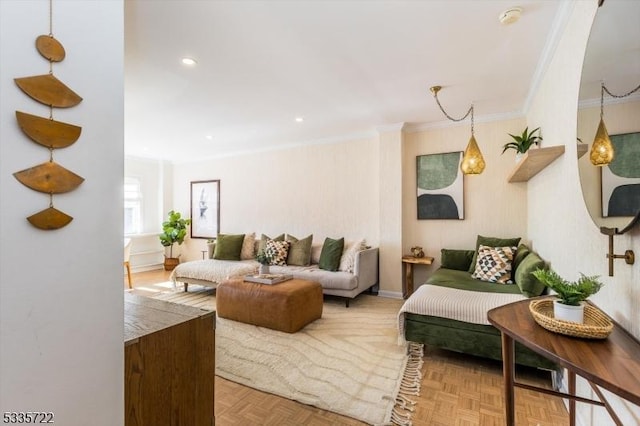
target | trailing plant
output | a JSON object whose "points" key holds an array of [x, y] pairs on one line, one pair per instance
{"points": [[173, 231], [569, 293], [522, 143]]}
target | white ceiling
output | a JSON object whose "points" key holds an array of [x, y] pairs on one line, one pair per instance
{"points": [[346, 67]]}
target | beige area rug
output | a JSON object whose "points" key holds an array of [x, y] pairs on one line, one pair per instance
{"points": [[347, 362]]}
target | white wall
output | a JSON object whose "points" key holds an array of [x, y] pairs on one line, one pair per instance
{"points": [[328, 190], [156, 182], [61, 307], [559, 223]]}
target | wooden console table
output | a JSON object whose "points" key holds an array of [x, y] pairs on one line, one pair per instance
{"points": [[169, 367], [408, 262], [612, 363]]}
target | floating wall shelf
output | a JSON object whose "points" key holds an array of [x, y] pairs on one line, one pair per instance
{"points": [[537, 159]]}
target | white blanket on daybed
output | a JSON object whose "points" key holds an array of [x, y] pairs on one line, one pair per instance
{"points": [[452, 303], [214, 271]]}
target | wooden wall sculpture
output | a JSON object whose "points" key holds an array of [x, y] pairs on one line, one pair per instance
{"points": [[49, 177]]}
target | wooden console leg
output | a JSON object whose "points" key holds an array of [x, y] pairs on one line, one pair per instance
{"points": [[509, 372]]}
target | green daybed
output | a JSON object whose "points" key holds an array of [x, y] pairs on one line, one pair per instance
{"points": [[449, 310]]}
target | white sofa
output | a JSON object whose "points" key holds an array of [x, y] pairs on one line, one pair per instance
{"points": [[210, 272]]}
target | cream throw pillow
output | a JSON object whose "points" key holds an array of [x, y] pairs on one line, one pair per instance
{"points": [[248, 247], [348, 259]]}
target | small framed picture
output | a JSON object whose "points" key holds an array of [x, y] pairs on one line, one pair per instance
{"points": [[205, 209]]}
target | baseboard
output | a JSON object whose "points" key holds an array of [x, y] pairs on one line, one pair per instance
{"points": [[390, 294], [145, 268]]}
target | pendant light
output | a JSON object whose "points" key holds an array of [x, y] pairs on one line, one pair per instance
{"points": [[602, 148], [602, 151], [472, 161]]}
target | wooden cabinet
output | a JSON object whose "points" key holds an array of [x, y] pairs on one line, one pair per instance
{"points": [[169, 364]]}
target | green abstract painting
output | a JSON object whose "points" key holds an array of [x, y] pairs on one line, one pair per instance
{"points": [[440, 186], [621, 178]]}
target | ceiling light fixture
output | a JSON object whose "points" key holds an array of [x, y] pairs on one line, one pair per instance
{"points": [[299, 119], [602, 151], [472, 161], [510, 15], [209, 137], [189, 61]]}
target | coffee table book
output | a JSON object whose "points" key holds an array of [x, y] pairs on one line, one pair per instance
{"points": [[268, 278]]}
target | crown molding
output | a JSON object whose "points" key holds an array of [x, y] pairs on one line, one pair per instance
{"points": [[487, 118], [608, 100], [395, 127], [557, 29]]}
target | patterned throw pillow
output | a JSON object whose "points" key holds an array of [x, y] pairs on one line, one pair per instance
{"points": [[278, 251], [348, 259], [494, 264]]}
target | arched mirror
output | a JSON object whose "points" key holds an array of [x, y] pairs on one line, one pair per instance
{"points": [[612, 193]]}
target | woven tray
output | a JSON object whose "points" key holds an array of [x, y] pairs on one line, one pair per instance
{"points": [[596, 324]]}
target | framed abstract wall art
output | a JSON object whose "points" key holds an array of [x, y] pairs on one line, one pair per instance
{"points": [[440, 186], [205, 209], [621, 177]]}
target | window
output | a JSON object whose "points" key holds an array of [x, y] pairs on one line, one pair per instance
{"points": [[132, 206]]}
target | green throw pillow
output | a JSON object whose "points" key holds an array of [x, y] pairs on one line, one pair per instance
{"points": [[263, 241], [522, 252], [228, 247], [456, 259], [491, 242], [331, 254], [299, 250], [528, 284]]}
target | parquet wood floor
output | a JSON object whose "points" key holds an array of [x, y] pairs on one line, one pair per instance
{"points": [[457, 390]]}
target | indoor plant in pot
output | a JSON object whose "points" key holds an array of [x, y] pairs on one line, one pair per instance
{"points": [[264, 259], [173, 231], [569, 305], [522, 143]]}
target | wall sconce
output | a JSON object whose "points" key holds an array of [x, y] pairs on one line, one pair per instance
{"points": [[628, 256], [472, 161]]}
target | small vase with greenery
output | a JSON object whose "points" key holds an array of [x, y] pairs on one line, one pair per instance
{"points": [[522, 143], [174, 230], [570, 295], [264, 259]]}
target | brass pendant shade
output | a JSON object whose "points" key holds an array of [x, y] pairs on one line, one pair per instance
{"points": [[602, 152], [472, 161]]}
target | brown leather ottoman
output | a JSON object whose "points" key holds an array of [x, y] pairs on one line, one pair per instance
{"points": [[287, 306]]}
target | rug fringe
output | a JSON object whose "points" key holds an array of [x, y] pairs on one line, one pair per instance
{"points": [[411, 381]]}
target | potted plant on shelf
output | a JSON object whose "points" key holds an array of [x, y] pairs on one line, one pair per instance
{"points": [[569, 305], [264, 259], [522, 143], [173, 231]]}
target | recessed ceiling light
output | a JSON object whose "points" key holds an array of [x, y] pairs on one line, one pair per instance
{"points": [[510, 15], [209, 137], [299, 119], [189, 61]]}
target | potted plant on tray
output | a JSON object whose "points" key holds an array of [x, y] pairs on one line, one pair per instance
{"points": [[522, 143], [264, 259], [173, 231], [569, 305]]}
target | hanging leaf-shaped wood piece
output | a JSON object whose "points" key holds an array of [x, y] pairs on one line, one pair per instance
{"points": [[50, 178], [50, 48], [47, 89], [48, 132], [49, 219]]}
